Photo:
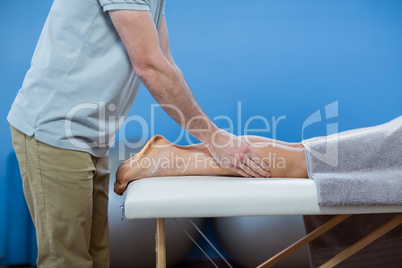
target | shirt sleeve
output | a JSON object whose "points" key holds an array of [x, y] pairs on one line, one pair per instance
{"points": [[124, 4]]}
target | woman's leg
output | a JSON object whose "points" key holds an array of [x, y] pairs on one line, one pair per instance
{"points": [[259, 139], [255, 139], [163, 158]]}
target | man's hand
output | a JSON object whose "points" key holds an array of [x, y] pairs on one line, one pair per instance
{"points": [[233, 153]]}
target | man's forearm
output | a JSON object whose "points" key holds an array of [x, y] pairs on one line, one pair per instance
{"points": [[184, 82], [166, 83]]}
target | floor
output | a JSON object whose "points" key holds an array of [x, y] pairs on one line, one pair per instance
{"points": [[184, 264]]}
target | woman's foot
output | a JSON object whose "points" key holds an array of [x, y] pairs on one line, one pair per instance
{"points": [[152, 161]]}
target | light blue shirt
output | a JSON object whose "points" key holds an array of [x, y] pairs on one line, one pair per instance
{"points": [[81, 84]]}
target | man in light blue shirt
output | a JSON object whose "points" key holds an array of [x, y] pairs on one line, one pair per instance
{"points": [[90, 60]]}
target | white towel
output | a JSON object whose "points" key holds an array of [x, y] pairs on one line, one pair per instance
{"points": [[358, 167]]}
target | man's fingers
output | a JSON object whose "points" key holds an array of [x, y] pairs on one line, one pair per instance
{"points": [[249, 171], [248, 142], [243, 166], [255, 158], [246, 164], [258, 161], [239, 171], [255, 167], [246, 169]]}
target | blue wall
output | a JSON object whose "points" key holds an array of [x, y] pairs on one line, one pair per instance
{"points": [[286, 58], [20, 26], [279, 58]]}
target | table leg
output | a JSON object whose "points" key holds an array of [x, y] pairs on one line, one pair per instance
{"points": [[160, 245]]}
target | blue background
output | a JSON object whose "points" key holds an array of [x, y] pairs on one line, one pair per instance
{"points": [[279, 58]]}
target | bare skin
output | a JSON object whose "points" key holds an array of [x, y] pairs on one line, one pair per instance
{"points": [[161, 158], [148, 50]]}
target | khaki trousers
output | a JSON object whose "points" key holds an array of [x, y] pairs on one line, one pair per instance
{"points": [[67, 196]]}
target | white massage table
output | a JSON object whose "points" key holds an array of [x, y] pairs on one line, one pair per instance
{"points": [[218, 196]]}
